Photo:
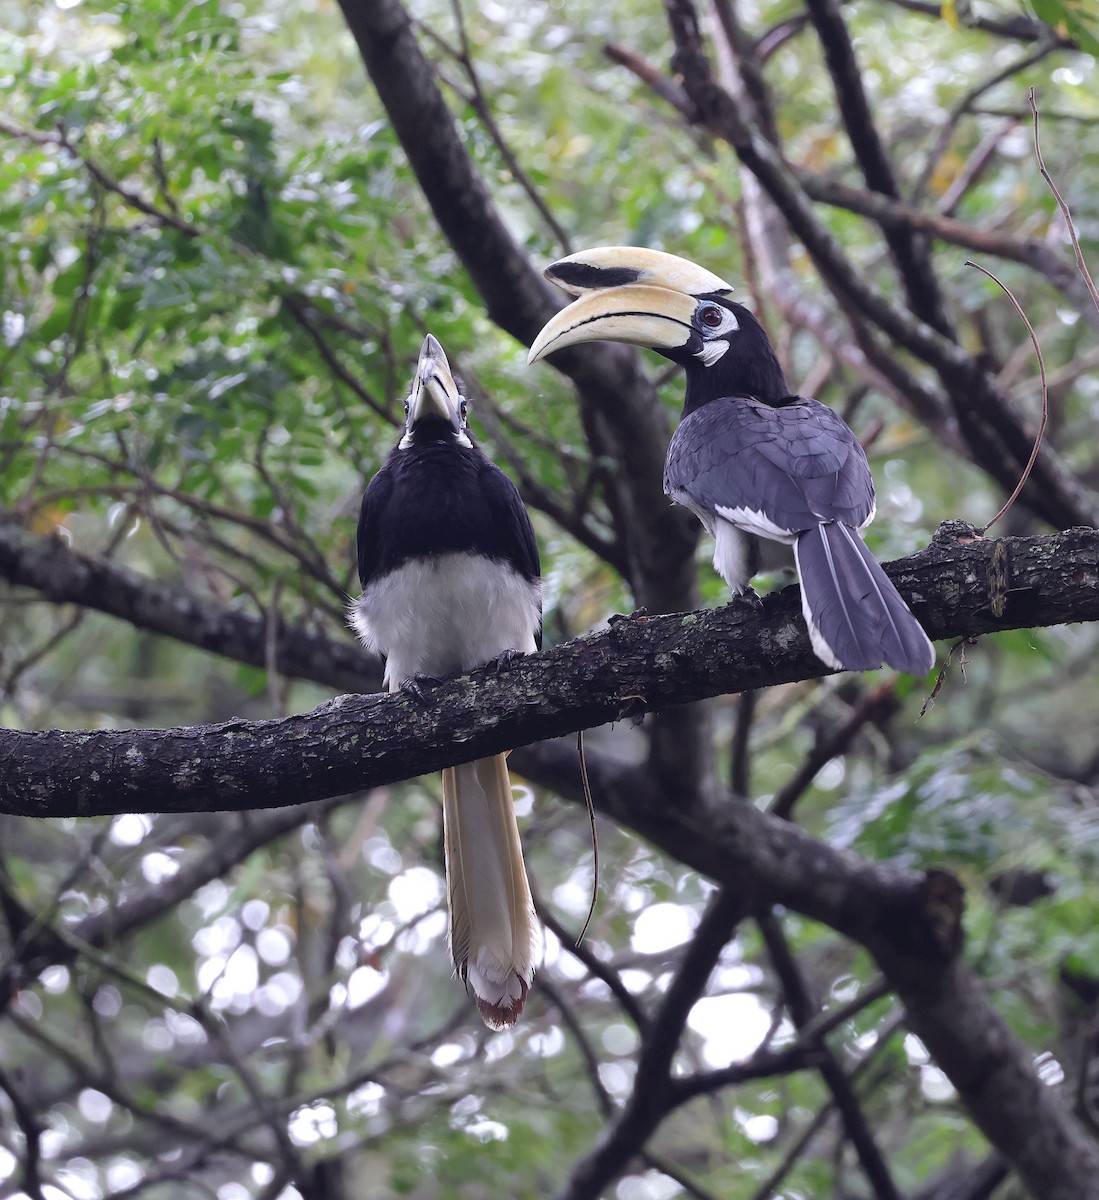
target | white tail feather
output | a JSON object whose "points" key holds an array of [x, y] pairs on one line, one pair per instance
{"points": [[494, 937]]}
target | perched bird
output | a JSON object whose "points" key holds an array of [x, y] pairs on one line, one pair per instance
{"points": [[450, 577], [748, 458]]}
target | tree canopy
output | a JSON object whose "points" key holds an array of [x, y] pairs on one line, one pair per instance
{"points": [[844, 942]]}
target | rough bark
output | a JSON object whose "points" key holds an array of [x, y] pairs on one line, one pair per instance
{"points": [[58, 573], [958, 588], [910, 921]]}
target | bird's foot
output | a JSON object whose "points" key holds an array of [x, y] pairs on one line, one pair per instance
{"points": [[502, 659], [418, 686], [747, 597]]}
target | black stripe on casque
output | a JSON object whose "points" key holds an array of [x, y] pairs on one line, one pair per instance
{"points": [[582, 275]]}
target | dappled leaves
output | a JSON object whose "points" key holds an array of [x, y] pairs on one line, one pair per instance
{"points": [[215, 269]]}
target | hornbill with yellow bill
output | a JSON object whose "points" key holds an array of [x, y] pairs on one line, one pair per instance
{"points": [[748, 458], [450, 577]]}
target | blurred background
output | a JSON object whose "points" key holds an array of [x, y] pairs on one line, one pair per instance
{"points": [[216, 268]]}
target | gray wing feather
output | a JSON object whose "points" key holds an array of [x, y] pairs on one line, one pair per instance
{"points": [[798, 465]]}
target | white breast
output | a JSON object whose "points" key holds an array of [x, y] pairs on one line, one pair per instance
{"points": [[446, 614]]}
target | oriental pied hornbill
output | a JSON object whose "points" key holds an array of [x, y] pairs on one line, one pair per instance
{"points": [[450, 577], [748, 458]]}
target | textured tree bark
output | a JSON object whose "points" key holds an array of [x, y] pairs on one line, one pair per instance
{"points": [[961, 586], [58, 573], [958, 588]]}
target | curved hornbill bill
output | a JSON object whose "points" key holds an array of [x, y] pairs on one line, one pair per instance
{"points": [[450, 576], [748, 458]]}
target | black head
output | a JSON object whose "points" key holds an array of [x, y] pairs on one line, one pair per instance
{"points": [[726, 353]]}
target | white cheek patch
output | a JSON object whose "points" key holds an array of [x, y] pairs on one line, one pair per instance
{"points": [[712, 351]]}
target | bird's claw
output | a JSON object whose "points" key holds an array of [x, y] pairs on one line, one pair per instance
{"points": [[418, 686], [748, 598], [502, 659]]}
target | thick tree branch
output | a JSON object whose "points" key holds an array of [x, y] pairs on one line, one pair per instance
{"points": [[66, 576], [889, 213], [908, 921], [644, 664], [909, 251]]}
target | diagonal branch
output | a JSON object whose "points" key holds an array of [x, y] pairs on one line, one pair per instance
{"points": [[653, 1094], [909, 921], [66, 576], [958, 589], [803, 1010], [909, 251]]}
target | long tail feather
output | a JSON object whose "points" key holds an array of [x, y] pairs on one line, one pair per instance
{"points": [[494, 937], [857, 619]]}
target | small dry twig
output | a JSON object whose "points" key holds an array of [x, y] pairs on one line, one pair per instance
{"points": [[594, 833], [1045, 397], [1065, 212]]}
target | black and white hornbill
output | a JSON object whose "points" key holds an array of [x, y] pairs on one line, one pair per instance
{"points": [[748, 458], [450, 577]]}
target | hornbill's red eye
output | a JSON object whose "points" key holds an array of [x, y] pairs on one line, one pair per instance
{"points": [[711, 316]]}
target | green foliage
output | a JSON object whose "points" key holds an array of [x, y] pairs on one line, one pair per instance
{"points": [[1076, 19], [215, 270]]}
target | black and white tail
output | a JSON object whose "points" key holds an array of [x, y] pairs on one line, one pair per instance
{"points": [[856, 617], [494, 937]]}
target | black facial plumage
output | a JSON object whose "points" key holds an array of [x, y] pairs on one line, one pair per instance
{"points": [[749, 367]]}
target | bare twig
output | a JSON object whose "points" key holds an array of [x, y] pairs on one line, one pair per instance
{"points": [[594, 834], [870, 705], [480, 105], [596, 967], [1082, 266], [1045, 397], [657, 82], [801, 1005]]}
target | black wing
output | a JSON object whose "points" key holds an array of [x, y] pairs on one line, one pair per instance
{"points": [[509, 526], [439, 500], [797, 464], [371, 517]]}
